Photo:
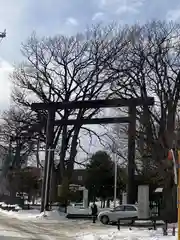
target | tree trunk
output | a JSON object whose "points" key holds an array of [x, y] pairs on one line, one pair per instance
{"points": [[61, 166], [73, 152], [54, 191], [169, 207], [17, 161], [37, 153], [59, 173], [171, 125]]}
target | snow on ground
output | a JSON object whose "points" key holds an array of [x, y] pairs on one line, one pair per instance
{"points": [[84, 229], [124, 234], [9, 235], [22, 214], [35, 215]]}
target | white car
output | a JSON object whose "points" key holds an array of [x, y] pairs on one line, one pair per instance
{"points": [[78, 205], [122, 211]]}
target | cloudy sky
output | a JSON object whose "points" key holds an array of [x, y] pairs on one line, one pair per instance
{"points": [[48, 17]]}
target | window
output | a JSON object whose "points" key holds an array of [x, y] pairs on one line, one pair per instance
{"points": [[130, 208], [119, 208], [79, 178]]}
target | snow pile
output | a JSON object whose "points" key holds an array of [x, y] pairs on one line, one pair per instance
{"points": [[34, 214], [125, 234], [5, 206], [53, 216], [22, 214]]}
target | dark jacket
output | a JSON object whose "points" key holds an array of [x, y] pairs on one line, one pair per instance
{"points": [[94, 209]]}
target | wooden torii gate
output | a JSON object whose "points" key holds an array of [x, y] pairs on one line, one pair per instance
{"points": [[52, 107]]}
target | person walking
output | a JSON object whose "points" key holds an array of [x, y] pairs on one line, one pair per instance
{"points": [[94, 210]]}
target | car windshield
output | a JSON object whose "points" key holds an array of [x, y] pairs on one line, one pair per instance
{"points": [[119, 208], [130, 208]]}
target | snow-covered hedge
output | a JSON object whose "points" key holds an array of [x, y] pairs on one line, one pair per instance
{"points": [[10, 207]]}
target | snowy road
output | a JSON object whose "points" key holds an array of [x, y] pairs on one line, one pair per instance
{"points": [[16, 229], [86, 230], [12, 228]]}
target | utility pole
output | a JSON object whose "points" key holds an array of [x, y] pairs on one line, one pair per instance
{"points": [[115, 181], [115, 174], [47, 188]]}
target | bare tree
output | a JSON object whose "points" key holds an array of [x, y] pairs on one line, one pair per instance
{"points": [[68, 69], [14, 135], [154, 69]]}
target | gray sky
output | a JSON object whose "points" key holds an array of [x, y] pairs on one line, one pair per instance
{"points": [[49, 17]]}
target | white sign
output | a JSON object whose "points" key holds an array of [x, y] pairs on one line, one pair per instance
{"points": [[143, 201]]}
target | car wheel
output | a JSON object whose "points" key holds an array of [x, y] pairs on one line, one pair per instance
{"points": [[105, 219]]}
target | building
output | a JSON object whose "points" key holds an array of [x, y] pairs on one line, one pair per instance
{"points": [[36, 172], [79, 177]]}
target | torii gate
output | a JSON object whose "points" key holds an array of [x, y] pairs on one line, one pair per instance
{"points": [[52, 107]]}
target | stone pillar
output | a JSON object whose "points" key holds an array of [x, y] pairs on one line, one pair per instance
{"points": [[85, 198], [143, 201]]}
